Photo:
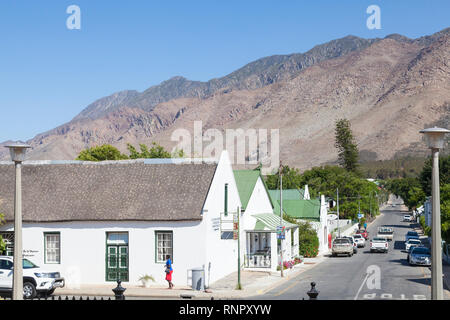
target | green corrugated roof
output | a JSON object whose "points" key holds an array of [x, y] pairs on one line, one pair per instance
{"points": [[246, 181], [288, 194], [269, 222], [301, 209]]}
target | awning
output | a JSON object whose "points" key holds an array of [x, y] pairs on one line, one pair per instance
{"points": [[270, 222]]}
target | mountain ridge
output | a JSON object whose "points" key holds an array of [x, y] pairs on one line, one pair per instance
{"points": [[387, 86]]}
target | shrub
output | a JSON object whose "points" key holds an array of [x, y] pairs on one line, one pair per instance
{"points": [[308, 240]]}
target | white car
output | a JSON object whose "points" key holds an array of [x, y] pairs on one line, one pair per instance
{"points": [[379, 245], [360, 241], [407, 218], [35, 279], [412, 242]]}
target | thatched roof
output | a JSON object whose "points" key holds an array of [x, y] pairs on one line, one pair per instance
{"points": [[115, 190]]}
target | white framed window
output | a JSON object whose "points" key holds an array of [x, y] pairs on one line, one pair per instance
{"points": [[164, 246], [52, 245]]}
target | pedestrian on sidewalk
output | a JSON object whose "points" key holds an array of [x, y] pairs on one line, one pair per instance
{"points": [[169, 271]]}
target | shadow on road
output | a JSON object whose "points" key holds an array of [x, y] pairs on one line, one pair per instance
{"points": [[403, 262], [399, 245], [424, 281], [398, 226]]}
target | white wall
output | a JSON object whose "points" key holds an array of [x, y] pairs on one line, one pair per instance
{"points": [[83, 249], [222, 254]]}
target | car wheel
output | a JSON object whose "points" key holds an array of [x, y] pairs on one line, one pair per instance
{"points": [[29, 290]]}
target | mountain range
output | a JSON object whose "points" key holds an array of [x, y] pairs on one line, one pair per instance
{"points": [[389, 88]]}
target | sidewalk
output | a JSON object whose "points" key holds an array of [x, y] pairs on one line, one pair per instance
{"points": [[445, 264], [253, 283]]}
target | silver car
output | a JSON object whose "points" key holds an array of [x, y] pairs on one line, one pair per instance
{"points": [[420, 256], [342, 246]]}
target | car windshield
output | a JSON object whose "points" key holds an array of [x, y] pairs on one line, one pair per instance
{"points": [[412, 233], [414, 241], [421, 250], [27, 264], [341, 241], [378, 240], [357, 236]]}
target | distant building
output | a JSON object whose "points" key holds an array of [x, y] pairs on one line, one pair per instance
{"points": [[313, 211]]}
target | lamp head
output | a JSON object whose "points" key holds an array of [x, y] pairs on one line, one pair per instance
{"points": [[435, 137], [17, 151]]}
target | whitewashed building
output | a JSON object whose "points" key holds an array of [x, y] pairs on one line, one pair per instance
{"points": [[97, 222], [262, 248]]}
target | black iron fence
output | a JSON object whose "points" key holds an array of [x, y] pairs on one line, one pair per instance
{"points": [[118, 295]]}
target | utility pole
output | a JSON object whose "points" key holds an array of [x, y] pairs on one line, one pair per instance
{"points": [[281, 219], [339, 224], [239, 250]]}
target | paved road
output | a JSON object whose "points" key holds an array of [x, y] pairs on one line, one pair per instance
{"points": [[344, 278]]}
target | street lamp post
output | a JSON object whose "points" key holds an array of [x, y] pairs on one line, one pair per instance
{"points": [[435, 140], [281, 218], [17, 151]]}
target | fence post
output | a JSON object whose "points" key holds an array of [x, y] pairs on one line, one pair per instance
{"points": [[118, 291]]}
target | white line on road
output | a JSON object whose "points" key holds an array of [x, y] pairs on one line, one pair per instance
{"points": [[360, 288]]}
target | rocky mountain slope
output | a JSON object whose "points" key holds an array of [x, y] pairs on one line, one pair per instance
{"points": [[389, 88]]}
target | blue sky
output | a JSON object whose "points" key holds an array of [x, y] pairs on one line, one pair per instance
{"points": [[49, 73]]}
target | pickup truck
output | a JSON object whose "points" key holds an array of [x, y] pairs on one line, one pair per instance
{"points": [[35, 279], [379, 245], [386, 233]]}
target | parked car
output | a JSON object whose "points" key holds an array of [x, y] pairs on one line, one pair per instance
{"points": [[379, 245], [411, 243], [355, 244], [360, 241], [386, 232], [420, 256], [342, 246], [407, 218], [364, 233], [411, 234], [35, 279]]}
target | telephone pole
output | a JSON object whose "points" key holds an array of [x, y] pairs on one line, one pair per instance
{"points": [[339, 224], [281, 218]]}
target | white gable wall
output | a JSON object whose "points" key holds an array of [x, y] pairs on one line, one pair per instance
{"points": [[221, 254], [259, 203]]}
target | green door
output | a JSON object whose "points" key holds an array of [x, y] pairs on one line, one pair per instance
{"points": [[116, 260], [116, 263]]}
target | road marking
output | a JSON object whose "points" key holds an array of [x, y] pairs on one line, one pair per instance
{"points": [[362, 285], [285, 289]]}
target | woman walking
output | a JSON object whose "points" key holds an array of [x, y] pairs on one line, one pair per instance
{"points": [[169, 271]]}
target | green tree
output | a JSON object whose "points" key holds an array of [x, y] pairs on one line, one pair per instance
{"points": [[347, 148], [101, 153], [156, 151], [416, 197], [291, 179], [325, 180], [444, 173]]}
